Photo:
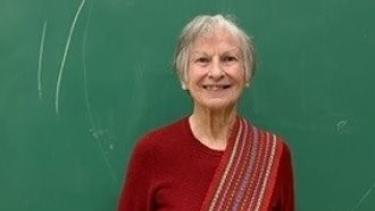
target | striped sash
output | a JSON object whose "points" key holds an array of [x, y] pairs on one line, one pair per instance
{"points": [[245, 177]]}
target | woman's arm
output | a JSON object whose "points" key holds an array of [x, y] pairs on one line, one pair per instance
{"points": [[136, 194], [283, 198], [287, 188]]}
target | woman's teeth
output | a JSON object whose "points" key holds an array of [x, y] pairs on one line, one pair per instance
{"points": [[215, 87]]}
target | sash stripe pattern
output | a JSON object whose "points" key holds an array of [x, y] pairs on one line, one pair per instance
{"points": [[245, 177], [228, 166]]}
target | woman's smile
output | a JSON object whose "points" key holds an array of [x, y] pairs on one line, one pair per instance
{"points": [[216, 87]]}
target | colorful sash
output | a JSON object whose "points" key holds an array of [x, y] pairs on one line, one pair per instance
{"points": [[246, 175]]}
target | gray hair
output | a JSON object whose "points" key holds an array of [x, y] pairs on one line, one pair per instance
{"points": [[200, 26]]}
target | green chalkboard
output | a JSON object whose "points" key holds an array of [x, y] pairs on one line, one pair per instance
{"points": [[82, 80]]}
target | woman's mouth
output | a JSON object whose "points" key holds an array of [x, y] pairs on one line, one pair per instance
{"points": [[216, 87]]}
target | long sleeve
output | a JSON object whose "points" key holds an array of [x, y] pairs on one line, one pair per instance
{"points": [[284, 198], [137, 193], [287, 188]]}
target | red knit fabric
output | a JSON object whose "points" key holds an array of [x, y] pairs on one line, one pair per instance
{"points": [[171, 170]]}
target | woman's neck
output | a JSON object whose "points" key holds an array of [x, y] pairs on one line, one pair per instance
{"points": [[212, 127]]}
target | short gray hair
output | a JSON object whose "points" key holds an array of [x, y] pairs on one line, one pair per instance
{"points": [[200, 26]]}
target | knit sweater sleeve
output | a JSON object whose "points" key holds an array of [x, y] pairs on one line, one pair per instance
{"points": [[284, 198], [137, 191], [287, 188]]}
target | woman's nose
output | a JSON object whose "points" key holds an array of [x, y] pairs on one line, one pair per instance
{"points": [[216, 71]]}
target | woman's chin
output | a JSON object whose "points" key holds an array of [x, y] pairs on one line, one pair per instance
{"points": [[217, 105]]}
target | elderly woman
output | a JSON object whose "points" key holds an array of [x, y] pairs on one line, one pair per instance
{"points": [[213, 159]]}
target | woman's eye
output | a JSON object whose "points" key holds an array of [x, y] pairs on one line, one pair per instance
{"points": [[202, 60], [229, 59]]}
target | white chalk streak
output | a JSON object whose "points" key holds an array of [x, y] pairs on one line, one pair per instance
{"points": [[67, 46], [41, 50], [363, 198], [86, 93], [95, 129]]}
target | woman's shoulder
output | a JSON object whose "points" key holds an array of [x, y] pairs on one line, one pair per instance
{"points": [[281, 145], [163, 136], [279, 140]]}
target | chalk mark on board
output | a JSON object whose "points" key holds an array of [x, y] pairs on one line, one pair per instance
{"points": [[99, 136], [341, 125], [364, 197], [86, 94], [40, 60], [106, 160], [95, 130], [62, 64]]}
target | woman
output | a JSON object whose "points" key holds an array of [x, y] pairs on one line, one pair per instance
{"points": [[214, 159]]}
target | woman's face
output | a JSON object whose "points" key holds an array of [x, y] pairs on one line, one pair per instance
{"points": [[215, 75]]}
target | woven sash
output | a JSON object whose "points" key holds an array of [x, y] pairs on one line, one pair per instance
{"points": [[245, 177]]}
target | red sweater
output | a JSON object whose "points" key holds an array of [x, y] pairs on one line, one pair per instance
{"points": [[171, 170]]}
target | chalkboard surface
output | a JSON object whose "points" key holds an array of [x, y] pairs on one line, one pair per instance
{"points": [[82, 80]]}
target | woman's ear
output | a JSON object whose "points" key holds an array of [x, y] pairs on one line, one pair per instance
{"points": [[183, 85]]}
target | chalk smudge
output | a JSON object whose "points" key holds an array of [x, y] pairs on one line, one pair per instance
{"points": [[341, 125]]}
